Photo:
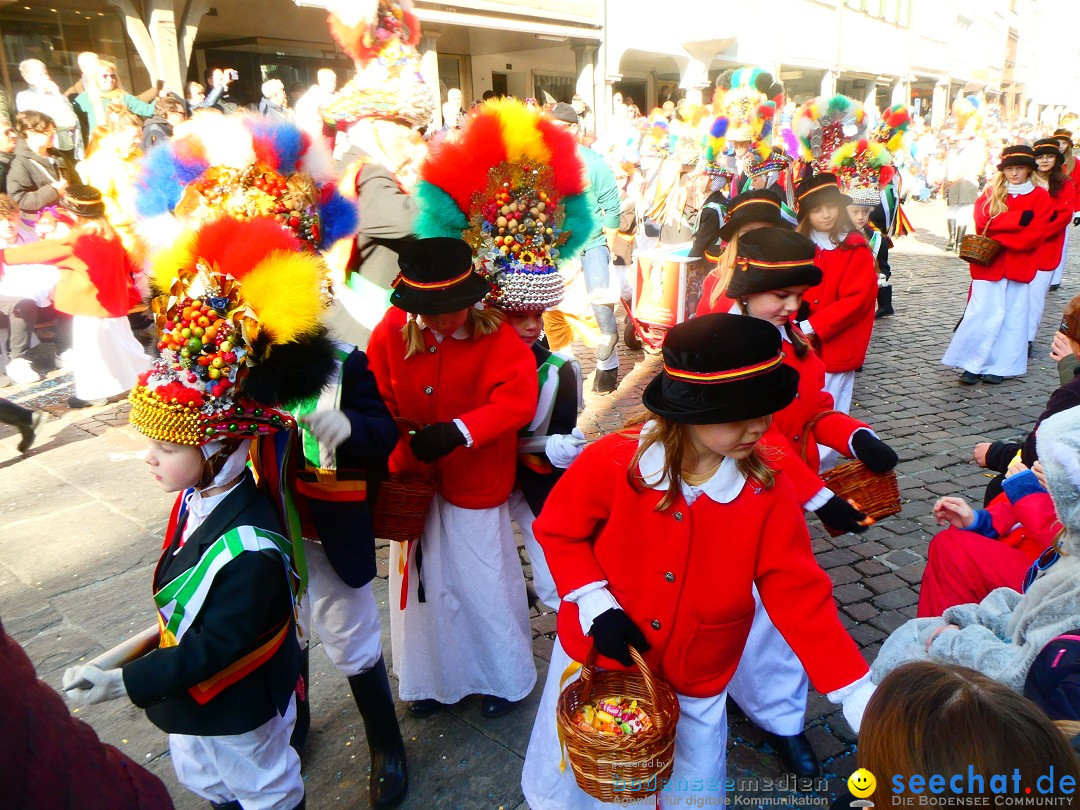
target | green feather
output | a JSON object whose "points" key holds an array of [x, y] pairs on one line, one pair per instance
{"points": [[838, 104], [438, 214]]}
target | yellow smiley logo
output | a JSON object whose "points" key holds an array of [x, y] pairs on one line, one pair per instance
{"points": [[861, 783]]}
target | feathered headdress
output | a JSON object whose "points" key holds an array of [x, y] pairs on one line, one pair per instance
{"points": [[863, 168], [381, 37], [245, 166], [714, 159], [894, 123], [965, 110], [822, 126], [513, 187], [238, 312], [749, 98]]}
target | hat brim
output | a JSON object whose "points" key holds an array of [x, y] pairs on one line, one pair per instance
{"points": [[438, 302], [827, 195], [93, 210], [773, 218], [695, 404], [760, 281], [1024, 161]]}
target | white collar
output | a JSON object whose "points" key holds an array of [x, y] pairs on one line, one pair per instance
{"points": [[724, 486], [736, 309], [462, 332], [824, 240], [1023, 188]]}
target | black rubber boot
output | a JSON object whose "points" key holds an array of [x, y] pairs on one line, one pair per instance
{"points": [[797, 754], [303, 706], [884, 301], [960, 231], [389, 780], [952, 234]]}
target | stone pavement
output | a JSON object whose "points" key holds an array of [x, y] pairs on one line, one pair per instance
{"points": [[81, 525]]}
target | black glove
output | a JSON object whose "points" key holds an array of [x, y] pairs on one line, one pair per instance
{"points": [[1076, 220], [614, 633], [1026, 217], [436, 441], [840, 515], [873, 452]]}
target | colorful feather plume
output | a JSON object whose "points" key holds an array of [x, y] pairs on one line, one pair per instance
{"points": [[370, 29], [894, 123]]}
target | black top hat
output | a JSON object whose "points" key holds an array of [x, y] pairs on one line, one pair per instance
{"points": [[436, 277], [759, 205], [1018, 155], [721, 368], [1049, 146], [772, 259], [821, 189], [84, 201]]}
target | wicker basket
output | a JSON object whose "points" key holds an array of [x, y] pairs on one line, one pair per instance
{"points": [[875, 494], [615, 768], [403, 500], [978, 248]]}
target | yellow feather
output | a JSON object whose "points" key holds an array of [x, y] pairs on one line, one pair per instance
{"points": [[520, 133], [169, 259], [283, 290]]}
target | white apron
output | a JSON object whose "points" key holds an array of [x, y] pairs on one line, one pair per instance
{"points": [[1037, 291], [106, 357], [1060, 271], [471, 635], [841, 385], [992, 337]]}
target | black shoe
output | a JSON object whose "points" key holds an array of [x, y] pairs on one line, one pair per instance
{"points": [[1055, 287], [1031, 349], [604, 382], [29, 431], [493, 706], [992, 379], [969, 378], [884, 301], [425, 707], [75, 402], [233, 805], [389, 780], [303, 706], [797, 754]]}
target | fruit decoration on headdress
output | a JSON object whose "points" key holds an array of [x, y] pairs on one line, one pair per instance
{"points": [[892, 127], [246, 167], [513, 187], [823, 126], [238, 311], [862, 165], [749, 99], [381, 37]]}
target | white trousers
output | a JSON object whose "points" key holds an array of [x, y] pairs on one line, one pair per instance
{"points": [[992, 337], [106, 358], [522, 514], [697, 778], [1037, 291], [1060, 271], [841, 384], [471, 635], [346, 619], [770, 684], [259, 768]]}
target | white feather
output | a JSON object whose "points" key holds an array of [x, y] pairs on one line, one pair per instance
{"points": [[229, 144], [355, 12], [318, 162]]}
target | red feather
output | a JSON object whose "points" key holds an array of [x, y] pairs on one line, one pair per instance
{"points": [[350, 38], [240, 246], [189, 150], [766, 110], [265, 152], [460, 168], [887, 174], [860, 147], [410, 21], [567, 167]]}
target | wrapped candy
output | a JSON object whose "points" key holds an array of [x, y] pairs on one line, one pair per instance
{"points": [[613, 715]]}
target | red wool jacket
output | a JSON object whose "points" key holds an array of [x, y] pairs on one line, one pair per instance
{"points": [[789, 426], [96, 278], [842, 306], [684, 575], [1017, 262], [1048, 254], [1074, 175], [489, 383]]}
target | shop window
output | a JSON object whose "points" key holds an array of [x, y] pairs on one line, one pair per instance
{"points": [[550, 88]]}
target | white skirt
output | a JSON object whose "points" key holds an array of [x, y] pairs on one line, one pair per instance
{"points": [[697, 779], [1060, 271], [992, 337], [841, 385], [471, 635], [106, 357], [1037, 290]]}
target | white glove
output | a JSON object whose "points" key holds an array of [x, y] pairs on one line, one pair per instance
{"points": [[106, 684], [562, 449], [855, 704], [331, 427]]}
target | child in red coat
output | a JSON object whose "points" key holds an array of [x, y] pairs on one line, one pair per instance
{"points": [[991, 341], [459, 621], [97, 288], [629, 535], [838, 312], [1051, 252]]}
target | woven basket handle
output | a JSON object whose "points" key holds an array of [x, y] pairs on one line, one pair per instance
{"points": [[405, 427], [650, 682], [808, 430]]}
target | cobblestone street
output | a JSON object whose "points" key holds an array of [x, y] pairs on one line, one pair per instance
{"points": [[82, 521]]}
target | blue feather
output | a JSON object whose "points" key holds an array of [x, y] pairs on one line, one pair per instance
{"points": [[286, 139], [718, 128], [158, 188], [338, 218]]}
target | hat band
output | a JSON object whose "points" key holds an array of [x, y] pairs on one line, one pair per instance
{"points": [[756, 201], [744, 263], [815, 189], [727, 375], [431, 285]]}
